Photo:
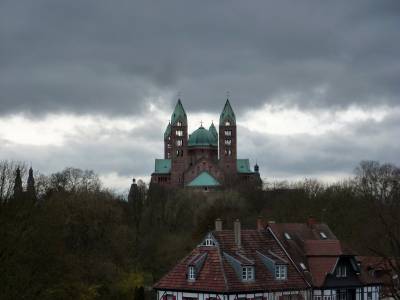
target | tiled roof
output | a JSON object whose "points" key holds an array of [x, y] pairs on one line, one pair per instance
{"points": [[218, 275], [318, 252]]}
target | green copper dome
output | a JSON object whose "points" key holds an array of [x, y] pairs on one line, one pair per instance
{"points": [[179, 114], [227, 114], [202, 138]]}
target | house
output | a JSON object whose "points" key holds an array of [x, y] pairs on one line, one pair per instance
{"points": [[332, 269], [205, 159], [274, 262], [234, 264]]}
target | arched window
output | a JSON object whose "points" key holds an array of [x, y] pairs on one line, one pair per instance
{"points": [[227, 123], [179, 143], [228, 142], [179, 123]]}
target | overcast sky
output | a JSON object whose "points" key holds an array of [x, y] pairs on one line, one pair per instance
{"points": [[91, 84]]}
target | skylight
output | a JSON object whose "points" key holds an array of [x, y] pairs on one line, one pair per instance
{"points": [[287, 236], [303, 266], [323, 235]]}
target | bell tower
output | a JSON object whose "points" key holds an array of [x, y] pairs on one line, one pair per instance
{"points": [[178, 141], [228, 140]]}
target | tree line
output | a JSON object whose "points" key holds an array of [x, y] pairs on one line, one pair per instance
{"points": [[78, 240]]}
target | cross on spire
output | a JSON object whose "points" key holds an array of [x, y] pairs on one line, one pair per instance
{"points": [[227, 94], [201, 123]]}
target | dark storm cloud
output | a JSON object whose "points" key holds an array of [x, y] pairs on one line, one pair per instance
{"points": [[110, 57]]}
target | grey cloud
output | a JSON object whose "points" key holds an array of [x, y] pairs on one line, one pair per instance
{"points": [[109, 57]]}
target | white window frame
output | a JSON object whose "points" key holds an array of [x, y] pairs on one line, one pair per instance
{"points": [[341, 271], [228, 132], [323, 235], [209, 242], [191, 273], [281, 272], [247, 273]]}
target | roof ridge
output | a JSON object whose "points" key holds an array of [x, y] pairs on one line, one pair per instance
{"points": [[222, 267]]}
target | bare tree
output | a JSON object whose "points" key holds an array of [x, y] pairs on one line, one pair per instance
{"points": [[380, 185], [7, 177]]}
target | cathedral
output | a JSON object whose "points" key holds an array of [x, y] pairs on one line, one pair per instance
{"points": [[206, 158]]}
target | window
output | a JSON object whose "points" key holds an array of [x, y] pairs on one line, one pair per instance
{"points": [[168, 155], [191, 273], [341, 271], [179, 123], [228, 152], [327, 297], [228, 142], [287, 236], [247, 273], [209, 242], [303, 266], [227, 123], [323, 235], [317, 297], [169, 297], [179, 132], [280, 272], [228, 132], [369, 296], [179, 143], [168, 145]]}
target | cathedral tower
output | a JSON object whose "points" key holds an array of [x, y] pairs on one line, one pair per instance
{"points": [[178, 141], [227, 139]]}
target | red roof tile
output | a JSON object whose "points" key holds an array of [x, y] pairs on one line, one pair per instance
{"points": [[218, 275]]}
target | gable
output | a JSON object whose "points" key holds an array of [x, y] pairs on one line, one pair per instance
{"points": [[204, 179]]}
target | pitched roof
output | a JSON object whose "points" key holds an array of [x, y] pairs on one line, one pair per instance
{"points": [[318, 252], [179, 114], [167, 132], [162, 166], [204, 179], [243, 166], [218, 274], [227, 114]]}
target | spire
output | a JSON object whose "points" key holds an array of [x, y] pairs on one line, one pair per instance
{"points": [[133, 192], [227, 114], [179, 114], [167, 132], [17, 183], [213, 131], [31, 183]]}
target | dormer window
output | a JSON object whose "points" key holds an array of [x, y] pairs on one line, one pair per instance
{"points": [[247, 273], [323, 235], [287, 236], [281, 272], [209, 242], [191, 273], [341, 271]]}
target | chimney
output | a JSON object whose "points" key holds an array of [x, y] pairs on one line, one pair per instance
{"points": [[218, 224], [237, 230], [311, 221], [260, 224]]}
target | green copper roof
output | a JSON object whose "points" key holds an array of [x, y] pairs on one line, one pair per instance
{"points": [[202, 138], [204, 179], [162, 166], [243, 166], [227, 114], [213, 131], [179, 114], [167, 132]]}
